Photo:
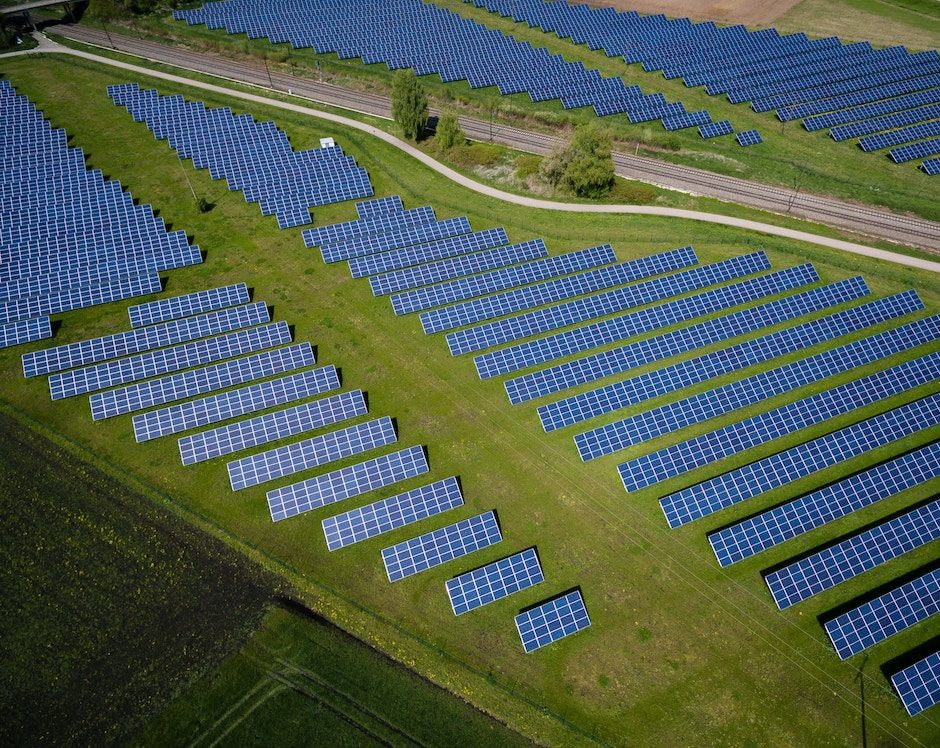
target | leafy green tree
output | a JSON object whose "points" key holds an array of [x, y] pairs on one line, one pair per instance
{"points": [[409, 104], [448, 133], [589, 170]]}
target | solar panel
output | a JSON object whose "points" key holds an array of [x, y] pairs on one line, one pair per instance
{"points": [[723, 361], [552, 620], [68, 356], [918, 685], [166, 360], [440, 546], [419, 299], [25, 331], [494, 581], [748, 137], [392, 513], [803, 460], [766, 384], [226, 405], [904, 606], [396, 259], [907, 153], [390, 204], [192, 383], [558, 289], [271, 427], [562, 315], [859, 553], [346, 482], [689, 119], [454, 267], [184, 306], [367, 245], [899, 136], [931, 166], [378, 223], [523, 355], [770, 528], [715, 129], [738, 437], [310, 453]]}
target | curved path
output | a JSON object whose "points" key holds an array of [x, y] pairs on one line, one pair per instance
{"points": [[48, 46], [859, 219]]}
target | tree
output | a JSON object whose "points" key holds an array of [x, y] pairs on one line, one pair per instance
{"points": [[448, 133], [589, 171], [409, 104]]}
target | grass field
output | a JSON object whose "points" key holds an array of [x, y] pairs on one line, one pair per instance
{"points": [[789, 157], [678, 647]]}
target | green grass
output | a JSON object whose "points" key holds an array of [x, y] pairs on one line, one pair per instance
{"points": [[678, 647], [301, 681], [913, 23], [790, 157]]}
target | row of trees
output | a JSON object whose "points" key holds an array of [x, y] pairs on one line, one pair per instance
{"points": [[584, 167]]}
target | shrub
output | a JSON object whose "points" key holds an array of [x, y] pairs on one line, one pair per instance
{"points": [[409, 104], [448, 132]]}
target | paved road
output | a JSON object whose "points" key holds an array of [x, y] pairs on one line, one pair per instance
{"points": [[47, 46], [866, 221]]}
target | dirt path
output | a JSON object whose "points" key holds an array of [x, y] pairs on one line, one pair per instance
{"points": [[725, 11]]}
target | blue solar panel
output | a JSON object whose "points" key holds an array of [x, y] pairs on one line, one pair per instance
{"points": [[380, 205], [899, 136], [903, 607], [748, 137], [411, 277], [580, 339], [380, 223], [785, 467], [221, 407], [494, 581], [419, 299], [770, 528], [346, 482], [631, 391], [562, 315], [370, 244], [916, 150], [310, 453], [738, 437], [68, 356], [271, 427], [417, 254], [880, 124], [440, 546], [859, 553], [25, 331], [166, 360], [558, 289], [390, 514], [752, 390], [931, 166], [918, 685], [689, 119], [191, 383], [714, 129], [184, 306], [552, 620]]}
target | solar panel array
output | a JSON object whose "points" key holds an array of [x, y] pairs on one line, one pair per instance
{"points": [[916, 150], [859, 553], [931, 166], [716, 129], [271, 426], [743, 435], [767, 529], [752, 390], [363, 245], [310, 453], [902, 607], [346, 482], [163, 310], [749, 137], [918, 684], [417, 254], [254, 157], [552, 620], [235, 403], [369, 225], [494, 581], [798, 462], [69, 238], [397, 33], [392, 513], [440, 546]]}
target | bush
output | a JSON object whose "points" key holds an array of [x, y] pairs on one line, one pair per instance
{"points": [[448, 132], [584, 167], [527, 165], [409, 104]]}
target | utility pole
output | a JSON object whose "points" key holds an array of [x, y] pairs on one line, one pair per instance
{"points": [[268, 71]]}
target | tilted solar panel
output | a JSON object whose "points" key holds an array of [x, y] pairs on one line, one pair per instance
{"points": [[184, 306], [552, 620], [25, 331], [494, 581], [918, 685]]}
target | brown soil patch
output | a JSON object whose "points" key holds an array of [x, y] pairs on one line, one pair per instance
{"points": [[723, 11]]}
